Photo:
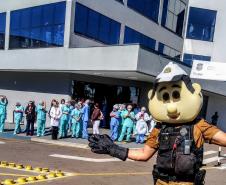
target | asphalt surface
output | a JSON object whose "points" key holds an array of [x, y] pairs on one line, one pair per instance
{"points": [[87, 172]]}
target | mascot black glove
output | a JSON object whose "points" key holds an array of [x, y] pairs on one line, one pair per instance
{"points": [[102, 144]]}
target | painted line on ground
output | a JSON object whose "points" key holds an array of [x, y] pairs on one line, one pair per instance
{"points": [[24, 170], [61, 143], [1, 142], [67, 144], [84, 158], [210, 160], [222, 167], [210, 152]]}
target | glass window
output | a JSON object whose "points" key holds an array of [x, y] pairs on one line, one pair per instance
{"points": [[132, 36], [148, 8], [188, 58], [25, 19], [201, 24], [2, 29], [59, 14], [48, 11], [36, 17], [173, 15], [166, 50], [41, 26], [104, 29], [115, 32], [81, 18], [95, 25]]}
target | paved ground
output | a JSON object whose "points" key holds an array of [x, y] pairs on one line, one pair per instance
{"points": [[86, 168], [81, 143]]}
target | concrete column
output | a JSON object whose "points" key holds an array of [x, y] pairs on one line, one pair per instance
{"points": [[7, 30], [160, 12], [122, 31], [184, 35], [125, 2], [67, 26], [73, 16]]}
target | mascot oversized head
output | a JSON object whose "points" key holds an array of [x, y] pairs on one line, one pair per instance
{"points": [[174, 98]]}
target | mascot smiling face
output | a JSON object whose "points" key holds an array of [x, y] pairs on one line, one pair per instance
{"points": [[174, 99]]}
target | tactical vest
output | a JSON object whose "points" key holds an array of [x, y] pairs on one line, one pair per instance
{"points": [[178, 155]]}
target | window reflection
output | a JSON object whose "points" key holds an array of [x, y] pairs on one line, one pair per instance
{"points": [[95, 25], [166, 50], [148, 8], [132, 36], [201, 24], [41, 26], [173, 15]]}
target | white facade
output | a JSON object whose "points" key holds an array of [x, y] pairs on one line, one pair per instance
{"points": [[213, 49]]}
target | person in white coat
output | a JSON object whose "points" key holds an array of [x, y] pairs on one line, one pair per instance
{"points": [[141, 126], [55, 114]]}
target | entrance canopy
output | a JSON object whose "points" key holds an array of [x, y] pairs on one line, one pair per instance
{"points": [[129, 62]]}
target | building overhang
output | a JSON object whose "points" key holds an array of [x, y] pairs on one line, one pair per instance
{"points": [[130, 62]]}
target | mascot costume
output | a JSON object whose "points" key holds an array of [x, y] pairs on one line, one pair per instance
{"points": [[175, 103]]}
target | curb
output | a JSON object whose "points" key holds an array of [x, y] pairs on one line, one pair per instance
{"points": [[53, 142], [9, 135]]}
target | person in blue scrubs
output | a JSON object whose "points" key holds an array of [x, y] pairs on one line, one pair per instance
{"points": [[115, 121], [64, 120], [41, 118], [76, 121], [18, 115], [85, 119], [128, 124], [3, 105], [72, 107], [122, 108]]}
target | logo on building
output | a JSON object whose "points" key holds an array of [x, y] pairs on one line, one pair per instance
{"points": [[167, 70], [199, 67]]}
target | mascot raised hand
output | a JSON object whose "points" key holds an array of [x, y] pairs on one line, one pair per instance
{"points": [[175, 103]]}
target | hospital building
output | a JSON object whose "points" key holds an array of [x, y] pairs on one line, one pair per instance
{"points": [[107, 50]]}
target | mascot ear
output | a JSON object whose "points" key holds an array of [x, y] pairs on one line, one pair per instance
{"points": [[149, 94], [197, 88]]}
